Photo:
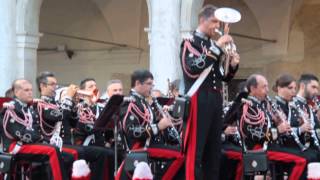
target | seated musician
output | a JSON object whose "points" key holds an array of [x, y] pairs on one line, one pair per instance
{"points": [[88, 111], [255, 123], [307, 126], [142, 129], [22, 133], [62, 111]]}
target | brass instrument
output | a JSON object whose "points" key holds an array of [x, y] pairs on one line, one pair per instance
{"points": [[92, 96], [227, 16]]}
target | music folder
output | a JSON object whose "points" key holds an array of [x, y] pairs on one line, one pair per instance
{"points": [[112, 107]]}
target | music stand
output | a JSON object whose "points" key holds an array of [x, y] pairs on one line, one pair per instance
{"points": [[106, 116]]}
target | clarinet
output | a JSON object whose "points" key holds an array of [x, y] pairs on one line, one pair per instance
{"points": [[312, 134], [172, 129], [282, 117]]}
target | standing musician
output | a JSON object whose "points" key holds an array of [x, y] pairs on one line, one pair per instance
{"points": [[256, 122], [52, 111], [142, 129], [204, 124], [22, 132], [309, 130]]}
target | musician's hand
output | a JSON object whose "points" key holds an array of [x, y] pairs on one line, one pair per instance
{"points": [[305, 127], [164, 123], [72, 90], [226, 28], [230, 130], [167, 108], [223, 40], [284, 127], [235, 60]]}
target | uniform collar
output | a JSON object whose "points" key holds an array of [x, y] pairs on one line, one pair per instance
{"points": [[281, 100], [47, 99], [201, 34], [22, 104], [301, 99], [254, 99], [135, 93]]}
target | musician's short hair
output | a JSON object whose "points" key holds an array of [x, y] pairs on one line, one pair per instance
{"points": [[17, 84], [9, 93], [42, 78], [83, 82], [251, 81], [307, 78], [141, 76], [207, 11], [113, 81]]}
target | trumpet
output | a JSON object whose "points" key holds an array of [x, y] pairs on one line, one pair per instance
{"points": [[92, 96], [227, 16]]}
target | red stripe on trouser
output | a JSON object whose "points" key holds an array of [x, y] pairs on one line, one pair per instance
{"points": [[168, 154], [44, 150], [190, 141], [236, 156], [118, 175], [300, 162], [71, 151]]}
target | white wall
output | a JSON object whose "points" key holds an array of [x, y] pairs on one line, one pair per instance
{"points": [[121, 21]]}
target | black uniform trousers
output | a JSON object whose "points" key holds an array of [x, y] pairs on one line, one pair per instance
{"points": [[166, 163], [310, 155], [208, 140], [100, 159], [230, 164], [45, 153]]}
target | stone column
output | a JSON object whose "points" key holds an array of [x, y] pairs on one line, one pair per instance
{"points": [[7, 44], [164, 40], [28, 37]]}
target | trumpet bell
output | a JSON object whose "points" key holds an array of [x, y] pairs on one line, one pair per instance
{"points": [[227, 15]]}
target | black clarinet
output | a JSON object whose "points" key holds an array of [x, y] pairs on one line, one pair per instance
{"points": [[311, 135], [172, 130], [282, 117]]}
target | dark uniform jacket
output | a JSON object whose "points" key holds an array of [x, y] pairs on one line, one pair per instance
{"points": [[194, 60], [20, 123], [253, 133], [87, 115], [307, 114], [139, 122], [52, 112], [292, 117]]}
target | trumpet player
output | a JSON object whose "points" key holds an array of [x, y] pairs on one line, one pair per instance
{"points": [[198, 53], [143, 130], [63, 110], [88, 111]]}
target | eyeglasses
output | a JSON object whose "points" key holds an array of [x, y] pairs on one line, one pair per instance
{"points": [[51, 84], [149, 83]]}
